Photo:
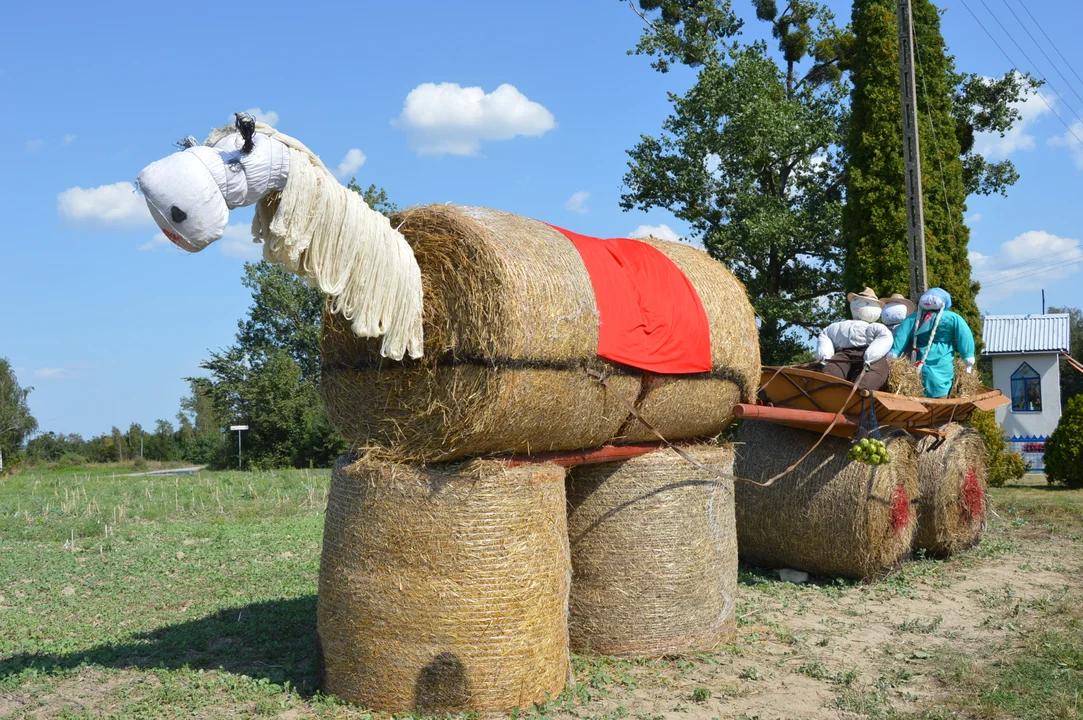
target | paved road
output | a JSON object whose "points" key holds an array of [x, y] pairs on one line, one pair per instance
{"points": [[173, 471]]}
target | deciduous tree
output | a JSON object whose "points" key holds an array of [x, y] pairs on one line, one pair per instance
{"points": [[749, 156]]}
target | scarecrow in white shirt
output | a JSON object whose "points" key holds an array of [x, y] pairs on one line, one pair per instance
{"points": [[850, 346]]}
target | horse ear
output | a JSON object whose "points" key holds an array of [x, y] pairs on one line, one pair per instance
{"points": [[246, 126], [186, 143]]}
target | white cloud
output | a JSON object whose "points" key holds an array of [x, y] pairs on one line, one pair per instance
{"points": [[662, 232], [1071, 140], [449, 119], [353, 160], [32, 145], [577, 203], [1027, 262], [1034, 106], [973, 218], [158, 241], [237, 243], [49, 372], [116, 206], [268, 117], [69, 139]]}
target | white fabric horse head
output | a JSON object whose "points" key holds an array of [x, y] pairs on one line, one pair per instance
{"points": [[314, 226], [190, 193]]}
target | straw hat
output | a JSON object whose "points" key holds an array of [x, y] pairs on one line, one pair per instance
{"points": [[897, 299], [866, 294]]}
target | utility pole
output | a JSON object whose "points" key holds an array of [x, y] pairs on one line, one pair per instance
{"points": [[915, 213]]}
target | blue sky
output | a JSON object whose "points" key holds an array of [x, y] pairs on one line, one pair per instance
{"points": [[105, 320]]}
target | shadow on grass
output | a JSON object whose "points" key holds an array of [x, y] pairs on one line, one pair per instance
{"points": [[275, 640]]}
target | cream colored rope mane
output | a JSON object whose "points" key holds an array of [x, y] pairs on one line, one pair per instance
{"points": [[320, 230]]}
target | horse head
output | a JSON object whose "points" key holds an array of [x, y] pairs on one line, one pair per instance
{"points": [[191, 192]]}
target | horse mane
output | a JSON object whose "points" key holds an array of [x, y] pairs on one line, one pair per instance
{"points": [[326, 233]]}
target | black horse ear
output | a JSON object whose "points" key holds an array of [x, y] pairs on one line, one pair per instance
{"points": [[186, 143], [246, 126]]}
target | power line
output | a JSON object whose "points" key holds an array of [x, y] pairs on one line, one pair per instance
{"points": [[993, 271], [1037, 271], [1042, 50], [1016, 65], [1034, 64], [1054, 45]]}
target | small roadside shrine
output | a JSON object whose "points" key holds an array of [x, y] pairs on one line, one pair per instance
{"points": [[1025, 350]]}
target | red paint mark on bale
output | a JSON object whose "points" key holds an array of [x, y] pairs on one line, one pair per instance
{"points": [[900, 509], [972, 495]]}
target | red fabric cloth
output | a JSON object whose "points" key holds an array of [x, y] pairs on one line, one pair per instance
{"points": [[649, 314]]}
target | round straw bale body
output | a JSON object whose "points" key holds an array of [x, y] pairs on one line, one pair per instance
{"points": [[953, 473], [831, 515], [511, 326], [654, 554], [444, 589]]}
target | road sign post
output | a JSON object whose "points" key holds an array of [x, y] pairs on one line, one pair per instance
{"points": [[238, 428]]}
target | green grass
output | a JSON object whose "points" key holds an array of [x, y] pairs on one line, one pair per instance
{"points": [[196, 596], [181, 576]]}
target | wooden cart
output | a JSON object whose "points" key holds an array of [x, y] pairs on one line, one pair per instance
{"points": [[811, 400]]}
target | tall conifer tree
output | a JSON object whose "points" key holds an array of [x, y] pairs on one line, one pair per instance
{"points": [[952, 107], [874, 218]]}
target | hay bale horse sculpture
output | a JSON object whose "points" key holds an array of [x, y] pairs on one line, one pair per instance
{"points": [[453, 332]]}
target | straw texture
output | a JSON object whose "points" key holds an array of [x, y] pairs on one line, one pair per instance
{"points": [[444, 589], [905, 379], [654, 554], [831, 516], [510, 326], [953, 476]]}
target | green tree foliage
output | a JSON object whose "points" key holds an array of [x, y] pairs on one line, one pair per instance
{"points": [[1071, 380], [16, 422], [748, 157], [269, 379], [50, 446], [1064, 449], [1003, 464], [119, 445], [952, 108]]}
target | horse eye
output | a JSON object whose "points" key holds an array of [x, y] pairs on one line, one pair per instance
{"points": [[177, 214]]}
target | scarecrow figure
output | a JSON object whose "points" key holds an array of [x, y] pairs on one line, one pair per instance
{"points": [[932, 336], [848, 346], [896, 309]]}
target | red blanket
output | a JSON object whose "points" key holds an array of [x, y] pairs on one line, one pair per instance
{"points": [[649, 313]]}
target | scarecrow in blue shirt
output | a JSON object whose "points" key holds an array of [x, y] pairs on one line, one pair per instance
{"points": [[932, 336]]}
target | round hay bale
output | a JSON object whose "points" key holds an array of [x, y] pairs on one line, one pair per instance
{"points": [[953, 474], [511, 324], [831, 516], [654, 554], [444, 589]]}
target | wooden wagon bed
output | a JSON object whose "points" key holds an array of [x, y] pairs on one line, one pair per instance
{"points": [[811, 400]]}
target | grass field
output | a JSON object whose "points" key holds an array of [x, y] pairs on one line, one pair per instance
{"points": [[163, 597]]}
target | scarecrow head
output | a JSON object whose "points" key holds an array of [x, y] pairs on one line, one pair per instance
{"points": [[896, 309], [191, 192], [865, 306], [935, 299]]}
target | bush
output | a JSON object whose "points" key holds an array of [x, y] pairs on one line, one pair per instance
{"points": [[1064, 449], [139, 463], [70, 460], [1003, 465]]}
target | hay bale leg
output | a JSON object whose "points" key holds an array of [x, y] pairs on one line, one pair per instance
{"points": [[654, 555], [444, 589], [831, 516], [953, 473]]}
